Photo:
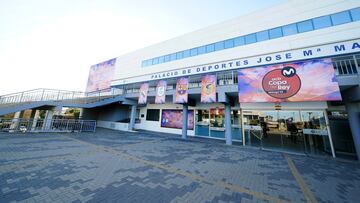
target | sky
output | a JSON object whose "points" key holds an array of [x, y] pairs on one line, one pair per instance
{"points": [[53, 43]]}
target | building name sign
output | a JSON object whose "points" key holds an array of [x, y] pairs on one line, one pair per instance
{"points": [[280, 57]]}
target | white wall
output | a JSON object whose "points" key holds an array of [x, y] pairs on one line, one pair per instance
{"points": [[112, 125], [293, 11]]}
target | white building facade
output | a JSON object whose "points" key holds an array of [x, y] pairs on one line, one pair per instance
{"points": [[300, 35]]}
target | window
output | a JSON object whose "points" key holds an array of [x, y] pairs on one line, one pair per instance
{"points": [[186, 53], [173, 57], [155, 61], [161, 59], [289, 29], [341, 18], [263, 35], [201, 50], [219, 46], [322, 22], [239, 41], [275, 33], [167, 58], [193, 52], [355, 14], [143, 63], [210, 48], [250, 39], [229, 43], [305, 26], [153, 114], [179, 55]]}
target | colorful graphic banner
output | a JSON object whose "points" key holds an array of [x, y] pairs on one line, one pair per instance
{"points": [[100, 76], [172, 118], [208, 89], [312, 80], [143, 93], [160, 92], [182, 86]]}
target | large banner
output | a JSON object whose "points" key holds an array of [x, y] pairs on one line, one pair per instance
{"points": [[160, 92], [100, 76], [208, 89], [182, 86], [172, 118], [312, 80], [143, 93]]}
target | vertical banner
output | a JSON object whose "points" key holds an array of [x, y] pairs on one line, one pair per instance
{"points": [[208, 89], [182, 86], [160, 92], [143, 93]]}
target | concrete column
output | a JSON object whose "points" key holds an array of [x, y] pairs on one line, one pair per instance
{"points": [[48, 119], [185, 121], [15, 121], [35, 118], [132, 117], [353, 112], [228, 133]]}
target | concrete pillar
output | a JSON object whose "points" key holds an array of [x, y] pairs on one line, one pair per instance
{"points": [[185, 121], [353, 112], [132, 117], [48, 120], [228, 132], [15, 122], [34, 118]]}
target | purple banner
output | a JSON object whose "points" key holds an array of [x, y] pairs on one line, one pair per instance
{"points": [[143, 93], [172, 118], [160, 92], [208, 89], [181, 95]]}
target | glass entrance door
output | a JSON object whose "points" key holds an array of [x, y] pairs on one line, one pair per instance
{"points": [[202, 123]]}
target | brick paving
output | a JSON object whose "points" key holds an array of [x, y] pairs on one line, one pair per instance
{"points": [[114, 166]]}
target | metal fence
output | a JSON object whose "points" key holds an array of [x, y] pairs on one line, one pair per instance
{"points": [[43, 125]]}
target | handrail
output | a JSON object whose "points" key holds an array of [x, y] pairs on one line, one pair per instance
{"points": [[42, 94]]}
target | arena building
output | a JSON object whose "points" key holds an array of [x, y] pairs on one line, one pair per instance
{"points": [[284, 78]]}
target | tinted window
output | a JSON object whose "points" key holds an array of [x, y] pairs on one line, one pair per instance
{"points": [[186, 53], [219, 46], [179, 55], [210, 48], [239, 41], [275, 33], [305, 26], [341, 18], [355, 14], [153, 114], [167, 58], [289, 29], [263, 35], [250, 38], [229, 43], [201, 50], [155, 61], [143, 63], [161, 59], [322, 22], [173, 57], [193, 52]]}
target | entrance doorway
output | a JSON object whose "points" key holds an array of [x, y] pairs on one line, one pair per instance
{"points": [[291, 131], [211, 123]]}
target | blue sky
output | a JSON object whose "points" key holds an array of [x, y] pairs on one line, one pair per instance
{"points": [[53, 43]]}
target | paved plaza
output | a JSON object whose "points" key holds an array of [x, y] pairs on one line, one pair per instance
{"points": [[114, 166]]}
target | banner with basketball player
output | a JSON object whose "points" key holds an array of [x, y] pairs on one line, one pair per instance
{"points": [[160, 92], [208, 89], [182, 86], [143, 92], [312, 80]]}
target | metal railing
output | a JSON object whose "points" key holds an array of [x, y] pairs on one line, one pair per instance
{"points": [[43, 125], [58, 95], [346, 65]]}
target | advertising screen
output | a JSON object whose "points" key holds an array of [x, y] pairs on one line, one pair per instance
{"points": [[100, 76], [312, 80], [172, 118]]}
